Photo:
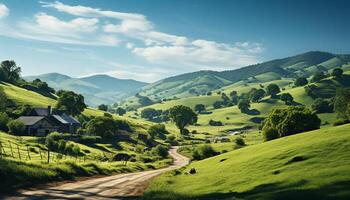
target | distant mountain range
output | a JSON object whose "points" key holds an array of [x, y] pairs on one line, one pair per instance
{"points": [[97, 89], [105, 89]]}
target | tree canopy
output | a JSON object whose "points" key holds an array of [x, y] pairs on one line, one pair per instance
{"points": [[244, 105], [10, 72], [289, 121], [102, 126], [287, 98], [272, 90], [71, 102], [337, 72], [103, 107], [199, 108], [120, 111], [150, 113], [182, 116], [301, 81]]}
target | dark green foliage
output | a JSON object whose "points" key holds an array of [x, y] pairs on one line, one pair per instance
{"points": [[234, 97], [322, 106], [255, 95], [341, 121], [203, 152], [158, 130], [218, 104], [239, 141], [144, 101], [287, 98], [291, 120], [225, 98], [270, 134], [71, 102], [102, 126], [3, 101], [120, 111], [342, 103], [272, 90], [215, 123], [319, 75], [42, 86], [161, 151], [150, 113], [199, 108], [337, 72], [301, 81], [4, 119], [10, 72], [244, 105], [311, 90], [16, 127], [103, 107], [182, 116]]}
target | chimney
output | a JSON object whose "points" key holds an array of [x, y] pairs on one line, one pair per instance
{"points": [[49, 111]]}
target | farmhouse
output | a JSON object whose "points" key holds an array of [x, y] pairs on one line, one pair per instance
{"points": [[42, 121]]}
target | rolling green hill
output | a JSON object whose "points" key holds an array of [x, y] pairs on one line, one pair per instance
{"points": [[310, 165], [201, 82], [97, 89]]}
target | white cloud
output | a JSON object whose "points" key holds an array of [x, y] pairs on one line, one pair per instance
{"points": [[201, 54], [4, 11], [94, 26], [44, 27]]}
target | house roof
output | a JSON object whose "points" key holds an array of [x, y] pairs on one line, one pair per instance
{"points": [[41, 111], [65, 119], [30, 120]]}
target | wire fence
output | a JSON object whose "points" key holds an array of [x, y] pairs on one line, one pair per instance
{"points": [[15, 151]]}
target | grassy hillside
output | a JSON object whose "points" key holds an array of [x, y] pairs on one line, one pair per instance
{"points": [[192, 84], [311, 165]]}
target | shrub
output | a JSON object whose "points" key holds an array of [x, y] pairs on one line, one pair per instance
{"points": [[291, 120], [16, 127], [239, 141], [158, 130], [4, 119], [270, 134], [301, 81], [322, 106], [341, 122], [215, 123], [203, 152], [160, 150]]}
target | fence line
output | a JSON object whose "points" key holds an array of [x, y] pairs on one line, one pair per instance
{"points": [[7, 150]]}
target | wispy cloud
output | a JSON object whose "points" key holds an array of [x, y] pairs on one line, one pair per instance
{"points": [[4, 11], [139, 36]]}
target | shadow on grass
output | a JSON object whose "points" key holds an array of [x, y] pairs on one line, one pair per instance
{"points": [[274, 191]]}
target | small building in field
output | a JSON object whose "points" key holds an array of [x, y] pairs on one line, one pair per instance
{"points": [[42, 121]]}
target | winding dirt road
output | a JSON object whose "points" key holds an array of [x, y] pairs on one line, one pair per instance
{"points": [[121, 186]]}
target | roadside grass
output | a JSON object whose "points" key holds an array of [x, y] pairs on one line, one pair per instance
{"points": [[310, 165]]}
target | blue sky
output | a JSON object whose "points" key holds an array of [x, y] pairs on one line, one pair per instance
{"points": [[150, 40]]}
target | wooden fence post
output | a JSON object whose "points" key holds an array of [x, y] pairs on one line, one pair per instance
{"points": [[41, 156], [0, 149], [48, 156], [28, 153], [11, 149], [19, 153]]}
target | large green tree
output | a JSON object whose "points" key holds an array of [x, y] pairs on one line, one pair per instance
{"points": [[10, 71], [103, 107], [71, 102], [150, 113], [199, 108], [301, 81], [102, 126], [289, 121], [287, 98], [272, 90], [342, 103], [256, 95], [182, 116], [244, 105]]}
